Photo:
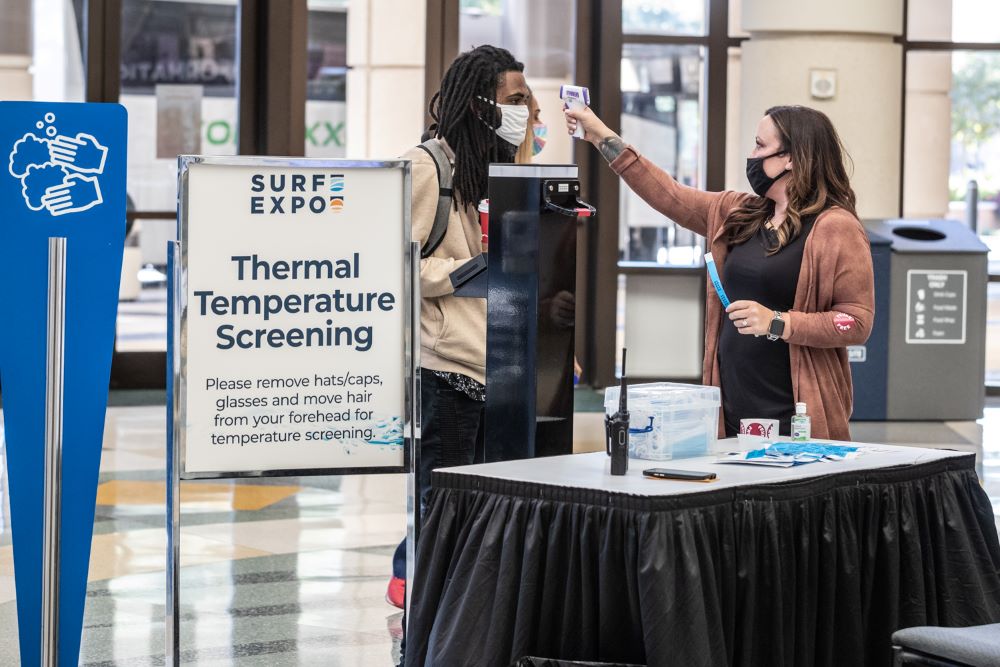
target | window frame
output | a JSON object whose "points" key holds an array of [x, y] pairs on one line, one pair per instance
{"points": [[917, 46], [272, 41]]}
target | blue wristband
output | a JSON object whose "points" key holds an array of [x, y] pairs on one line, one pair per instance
{"points": [[713, 275]]}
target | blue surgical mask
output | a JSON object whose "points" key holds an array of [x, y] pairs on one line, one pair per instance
{"points": [[541, 130]]}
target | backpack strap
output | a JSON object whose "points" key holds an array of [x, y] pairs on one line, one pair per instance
{"points": [[433, 148]]}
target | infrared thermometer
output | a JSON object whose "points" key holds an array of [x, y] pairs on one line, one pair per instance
{"points": [[575, 97]]}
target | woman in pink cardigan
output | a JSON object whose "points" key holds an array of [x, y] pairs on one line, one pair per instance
{"points": [[794, 260]]}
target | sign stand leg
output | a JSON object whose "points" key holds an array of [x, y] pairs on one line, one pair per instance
{"points": [[413, 368], [54, 363], [172, 617]]}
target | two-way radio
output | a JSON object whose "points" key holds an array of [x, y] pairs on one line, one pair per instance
{"points": [[616, 428]]}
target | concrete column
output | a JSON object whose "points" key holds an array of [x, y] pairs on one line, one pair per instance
{"points": [[736, 148], [927, 147], [927, 143], [385, 82], [15, 50], [854, 39]]}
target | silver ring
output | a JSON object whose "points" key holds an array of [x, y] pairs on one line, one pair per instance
{"points": [[745, 324]]}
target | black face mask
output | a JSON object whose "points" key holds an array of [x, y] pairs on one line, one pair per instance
{"points": [[759, 180]]}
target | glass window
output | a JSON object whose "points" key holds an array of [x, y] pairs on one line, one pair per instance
{"points": [[663, 115], [542, 35], [975, 158], [993, 333], [953, 141], [55, 56], [953, 21], [326, 79], [664, 17], [975, 127], [178, 83]]}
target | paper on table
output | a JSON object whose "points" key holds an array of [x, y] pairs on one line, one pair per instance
{"points": [[788, 454]]}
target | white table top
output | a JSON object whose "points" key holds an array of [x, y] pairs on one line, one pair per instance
{"points": [[593, 470]]}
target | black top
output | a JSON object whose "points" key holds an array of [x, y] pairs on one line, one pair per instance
{"points": [[756, 373]]}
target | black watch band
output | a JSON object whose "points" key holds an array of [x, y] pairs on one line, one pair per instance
{"points": [[776, 328]]}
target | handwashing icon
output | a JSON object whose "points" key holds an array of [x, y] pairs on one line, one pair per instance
{"points": [[58, 173]]}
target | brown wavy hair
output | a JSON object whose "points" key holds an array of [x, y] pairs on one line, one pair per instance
{"points": [[818, 178]]}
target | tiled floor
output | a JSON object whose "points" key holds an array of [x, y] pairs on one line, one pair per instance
{"points": [[287, 571]]}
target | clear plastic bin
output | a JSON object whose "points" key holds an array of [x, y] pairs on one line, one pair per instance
{"points": [[668, 420]]}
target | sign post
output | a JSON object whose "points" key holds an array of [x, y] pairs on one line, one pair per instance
{"points": [[293, 345], [62, 190], [54, 365]]}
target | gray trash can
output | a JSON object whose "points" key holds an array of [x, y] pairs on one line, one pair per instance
{"points": [[870, 362], [937, 320]]}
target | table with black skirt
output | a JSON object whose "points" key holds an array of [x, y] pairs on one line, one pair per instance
{"points": [[812, 565]]}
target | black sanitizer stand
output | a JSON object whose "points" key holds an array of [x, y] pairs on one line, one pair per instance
{"points": [[531, 285]]}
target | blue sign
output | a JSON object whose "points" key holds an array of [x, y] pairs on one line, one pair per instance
{"points": [[62, 174]]}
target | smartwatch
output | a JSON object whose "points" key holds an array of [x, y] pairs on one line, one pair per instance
{"points": [[776, 328]]}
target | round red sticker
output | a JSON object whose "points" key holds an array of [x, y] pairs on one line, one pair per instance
{"points": [[843, 322]]}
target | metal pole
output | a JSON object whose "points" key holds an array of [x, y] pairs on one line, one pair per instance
{"points": [[412, 490], [972, 206], [54, 357], [172, 615]]}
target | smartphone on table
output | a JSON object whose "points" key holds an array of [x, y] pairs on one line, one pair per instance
{"points": [[683, 475]]}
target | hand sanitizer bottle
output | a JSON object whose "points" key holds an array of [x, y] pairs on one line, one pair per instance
{"points": [[801, 424]]}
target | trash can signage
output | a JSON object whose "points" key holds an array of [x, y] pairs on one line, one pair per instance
{"points": [[936, 306], [295, 310]]}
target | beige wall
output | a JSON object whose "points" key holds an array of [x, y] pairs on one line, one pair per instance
{"points": [[865, 110], [927, 146], [790, 37], [15, 78], [15, 27], [385, 85], [736, 152], [558, 144], [930, 20], [853, 38], [15, 50], [879, 17], [928, 135]]}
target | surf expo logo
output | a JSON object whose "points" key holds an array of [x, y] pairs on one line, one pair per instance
{"points": [[289, 193]]}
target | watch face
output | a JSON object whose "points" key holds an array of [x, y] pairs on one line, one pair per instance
{"points": [[777, 327]]}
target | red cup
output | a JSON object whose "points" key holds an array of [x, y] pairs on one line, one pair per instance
{"points": [[484, 221]]}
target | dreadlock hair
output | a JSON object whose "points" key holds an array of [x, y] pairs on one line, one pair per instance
{"points": [[468, 123]]}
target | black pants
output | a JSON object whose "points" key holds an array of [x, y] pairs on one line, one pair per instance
{"points": [[451, 434]]}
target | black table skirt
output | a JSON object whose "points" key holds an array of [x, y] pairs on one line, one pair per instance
{"points": [[813, 572]]}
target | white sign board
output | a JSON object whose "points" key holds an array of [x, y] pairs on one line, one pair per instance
{"points": [[296, 303]]}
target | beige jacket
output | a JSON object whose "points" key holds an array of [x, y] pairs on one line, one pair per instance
{"points": [[452, 329], [834, 298]]}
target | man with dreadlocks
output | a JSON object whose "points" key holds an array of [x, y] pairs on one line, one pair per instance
{"points": [[480, 116]]}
